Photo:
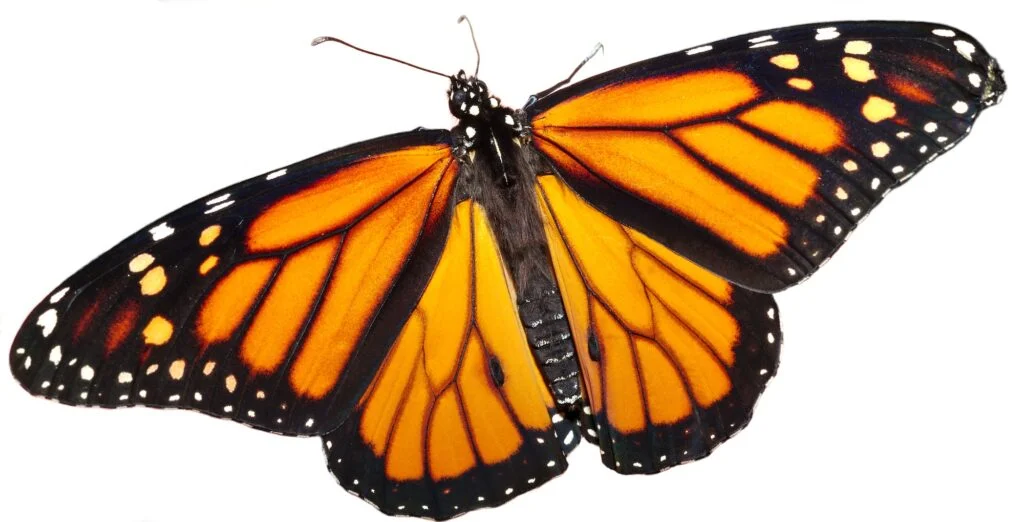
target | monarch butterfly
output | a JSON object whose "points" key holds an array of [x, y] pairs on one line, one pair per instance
{"points": [[727, 250]]}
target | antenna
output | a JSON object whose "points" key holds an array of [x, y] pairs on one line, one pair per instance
{"points": [[472, 35], [322, 39]]}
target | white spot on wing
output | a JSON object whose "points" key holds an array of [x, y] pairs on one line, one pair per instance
{"points": [[826, 33], [161, 231], [943, 32], [764, 44], [276, 174], [219, 207], [124, 377], [965, 48], [219, 199], [48, 321], [55, 355], [960, 107], [698, 50], [87, 373], [59, 295]]}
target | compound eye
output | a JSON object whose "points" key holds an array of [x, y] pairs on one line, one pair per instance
{"points": [[459, 97]]}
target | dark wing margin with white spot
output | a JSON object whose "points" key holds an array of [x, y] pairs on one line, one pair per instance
{"points": [[122, 330], [901, 93]]}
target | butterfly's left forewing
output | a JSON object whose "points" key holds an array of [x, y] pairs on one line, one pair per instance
{"points": [[756, 156], [271, 302]]}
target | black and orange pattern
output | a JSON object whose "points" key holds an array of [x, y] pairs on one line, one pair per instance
{"points": [[245, 312], [452, 311], [757, 156], [673, 356], [459, 415]]}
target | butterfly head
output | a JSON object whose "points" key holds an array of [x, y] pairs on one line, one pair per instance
{"points": [[469, 99]]}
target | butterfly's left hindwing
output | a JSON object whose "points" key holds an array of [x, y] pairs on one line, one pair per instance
{"points": [[673, 357], [271, 302], [756, 156], [458, 417]]}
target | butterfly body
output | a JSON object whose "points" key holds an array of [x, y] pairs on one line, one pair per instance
{"points": [[493, 144], [452, 311]]}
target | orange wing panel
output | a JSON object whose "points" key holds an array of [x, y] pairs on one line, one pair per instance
{"points": [[339, 200], [459, 402], [662, 342], [654, 167], [654, 101]]}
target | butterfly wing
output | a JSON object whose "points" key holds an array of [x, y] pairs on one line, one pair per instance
{"points": [[673, 357], [757, 155], [459, 416], [271, 302]]}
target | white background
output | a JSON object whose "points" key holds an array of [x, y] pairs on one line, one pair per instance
{"points": [[900, 385]]}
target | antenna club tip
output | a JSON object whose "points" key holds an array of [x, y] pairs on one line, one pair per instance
{"points": [[319, 40], [462, 18]]}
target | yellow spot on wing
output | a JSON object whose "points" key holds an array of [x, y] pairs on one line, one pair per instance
{"points": [[208, 264], [786, 61], [209, 235], [158, 331], [177, 369], [877, 109], [140, 262], [802, 84], [858, 70], [153, 282], [857, 47]]}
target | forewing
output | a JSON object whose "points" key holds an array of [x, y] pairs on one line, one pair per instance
{"points": [[271, 302], [458, 417], [673, 357], [756, 156]]}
